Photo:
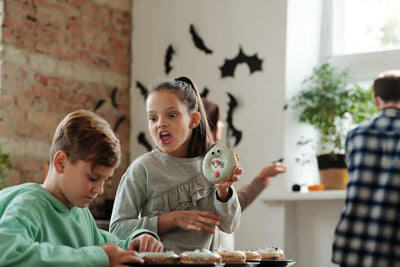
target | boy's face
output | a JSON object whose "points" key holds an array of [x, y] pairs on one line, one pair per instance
{"points": [[79, 184]]}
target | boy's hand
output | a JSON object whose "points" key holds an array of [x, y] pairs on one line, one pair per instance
{"points": [[145, 243], [119, 257]]}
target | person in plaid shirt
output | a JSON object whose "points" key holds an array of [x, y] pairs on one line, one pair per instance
{"points": [[368, 232]]}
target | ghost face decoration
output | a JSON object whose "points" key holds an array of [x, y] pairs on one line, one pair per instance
{"points": [[218, 164]]}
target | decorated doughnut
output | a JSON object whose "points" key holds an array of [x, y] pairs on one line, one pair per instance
{"points": [[199, 257], [219, 163], [271, 254], [252, 255], [160, 257], [232, 256]]}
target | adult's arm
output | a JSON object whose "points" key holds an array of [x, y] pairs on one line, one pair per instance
{"points": [[248, 193]]}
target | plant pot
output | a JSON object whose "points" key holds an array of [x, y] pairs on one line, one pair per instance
{"points": [[332, 171]]}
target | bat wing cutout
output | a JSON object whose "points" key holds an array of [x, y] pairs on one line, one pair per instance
{"points": [[205, 92], [198, 41], [99, 104], [168, 58], [142, 140], [232, 131], [118, 122], [229, 66], [143, 90], [113, 97]]}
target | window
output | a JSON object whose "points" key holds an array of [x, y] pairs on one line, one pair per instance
{"points": [[362, 35], [361, 26]]}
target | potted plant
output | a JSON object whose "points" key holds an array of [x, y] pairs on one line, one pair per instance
{"points": [[5, 167], [331, 104]]}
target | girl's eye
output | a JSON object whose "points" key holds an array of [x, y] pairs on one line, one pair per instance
{"points": [[152, 118], [172, 115], [92, 179]]}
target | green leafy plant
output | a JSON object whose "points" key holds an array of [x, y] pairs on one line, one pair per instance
{"points": [[330, 103], [5, 167]]}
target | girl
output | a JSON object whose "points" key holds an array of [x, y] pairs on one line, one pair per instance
{"points": [[164, 190]]}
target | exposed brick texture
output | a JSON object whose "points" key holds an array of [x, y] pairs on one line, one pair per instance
{"points": [[59, 56]]}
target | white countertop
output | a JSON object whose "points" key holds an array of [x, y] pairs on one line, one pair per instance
{"points": [[306, 196]]}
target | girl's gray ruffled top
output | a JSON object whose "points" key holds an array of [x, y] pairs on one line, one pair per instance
{"points": [[156, 183]]}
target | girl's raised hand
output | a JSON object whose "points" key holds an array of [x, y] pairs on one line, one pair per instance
{"points": [[223, 187]]}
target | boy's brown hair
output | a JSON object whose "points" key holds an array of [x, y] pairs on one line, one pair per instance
{"points": [[85, 136]]}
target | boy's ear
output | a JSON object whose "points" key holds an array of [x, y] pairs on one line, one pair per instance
{"points": [[196, 117], [60, 159]]}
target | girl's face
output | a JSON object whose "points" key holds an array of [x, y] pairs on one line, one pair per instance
{"points": [[170, 122]]}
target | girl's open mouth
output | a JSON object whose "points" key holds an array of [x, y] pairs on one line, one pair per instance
{"points": [[165, 137]]}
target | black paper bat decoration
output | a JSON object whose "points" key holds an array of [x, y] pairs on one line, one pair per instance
{"points": [[232, 131], [205, 92], [198, 41], [118, 123], [113, 97], [143, 90], [229, 66], [142, 140], [168, 57], [99, 104]]}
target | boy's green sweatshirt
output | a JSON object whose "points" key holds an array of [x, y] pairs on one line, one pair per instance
{"points": [[37, 229]]}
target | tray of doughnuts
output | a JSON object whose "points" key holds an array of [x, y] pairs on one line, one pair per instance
{"points": [[269, 257]]}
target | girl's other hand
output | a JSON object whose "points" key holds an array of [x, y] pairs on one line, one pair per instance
{"points": [[188, 220]]}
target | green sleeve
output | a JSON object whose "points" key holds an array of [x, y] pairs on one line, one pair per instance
{"points": [[18, 248]]}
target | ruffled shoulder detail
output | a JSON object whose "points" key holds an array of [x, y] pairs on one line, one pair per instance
{"points": [[182, 197]]}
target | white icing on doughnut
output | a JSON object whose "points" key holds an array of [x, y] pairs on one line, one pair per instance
{"points": [[252, 255], [160, 257], [273, 253], [232, 256], [199, 257]]}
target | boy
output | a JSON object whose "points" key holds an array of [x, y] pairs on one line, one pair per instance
{"points": [[50, 224]]}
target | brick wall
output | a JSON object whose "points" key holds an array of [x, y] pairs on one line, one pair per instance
{"points": [[59, 56]]}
